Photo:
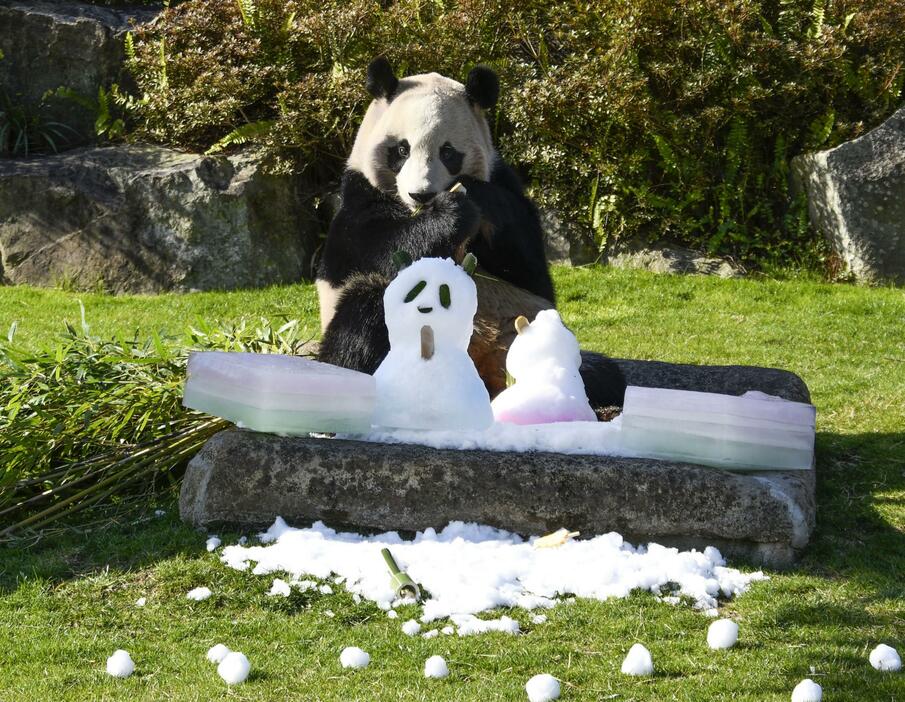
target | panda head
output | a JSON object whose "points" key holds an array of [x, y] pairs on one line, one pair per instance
{"points": [[421, 132]]}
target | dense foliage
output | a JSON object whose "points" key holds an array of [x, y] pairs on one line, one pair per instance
{"points": [[648, 118]]}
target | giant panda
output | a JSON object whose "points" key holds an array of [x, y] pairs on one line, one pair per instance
{"points": [[420, 136]]}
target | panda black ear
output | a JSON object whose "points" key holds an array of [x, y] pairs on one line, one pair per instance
{"points": [[482, 87], [382, 82]]}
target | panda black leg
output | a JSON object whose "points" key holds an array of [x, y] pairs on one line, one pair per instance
{"points": [[603, 380], [357, 336]]}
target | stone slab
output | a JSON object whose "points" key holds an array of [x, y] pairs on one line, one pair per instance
{"points": [[246, 479]]}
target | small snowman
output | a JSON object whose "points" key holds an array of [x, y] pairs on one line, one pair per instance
{"points": [[428, 380], [544, 360]]}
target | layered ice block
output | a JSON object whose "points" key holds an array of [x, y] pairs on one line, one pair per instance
{"points": [[753, 431], [280, 394]]}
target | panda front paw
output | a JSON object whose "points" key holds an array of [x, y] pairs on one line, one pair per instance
{"points": [[460, 215]]}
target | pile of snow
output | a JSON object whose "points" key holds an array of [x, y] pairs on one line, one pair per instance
{"points": [[213, 543], [539, 619], [354, 657], [807, 691], [723, 633], [411, 627], [469, 625], [234, 668], [120, 664], [279, 588], [435, 667], [886, 658], [217, 653], [542, 688], [469, 568], [141, 601], [199, 594], [638, 661]]}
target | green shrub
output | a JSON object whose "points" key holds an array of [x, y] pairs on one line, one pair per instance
{"points": [[663, 120]]}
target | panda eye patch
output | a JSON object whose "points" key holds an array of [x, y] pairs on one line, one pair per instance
{"points": [[397, 154], [451, 158], [445, 298], [414, 292]]}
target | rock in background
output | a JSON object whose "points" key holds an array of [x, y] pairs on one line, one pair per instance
{"points": [[856, 198], [149, 219], [47, 45], [668, 258]]}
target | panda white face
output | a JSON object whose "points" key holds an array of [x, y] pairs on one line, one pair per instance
{"points": [[416, 141]]}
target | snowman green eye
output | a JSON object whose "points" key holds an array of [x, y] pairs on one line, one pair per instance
{"points": [[414, 292], [445, 299]]}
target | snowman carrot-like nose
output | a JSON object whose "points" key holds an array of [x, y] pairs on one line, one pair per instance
{"points": [[521, 324], [427, 342]]}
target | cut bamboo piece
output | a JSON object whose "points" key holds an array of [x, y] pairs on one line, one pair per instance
{"points": [[427, 342]]}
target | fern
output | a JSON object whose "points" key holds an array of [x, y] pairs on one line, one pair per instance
{"points": [[736, 148], [253, 131], [129, 45], [818, 15], [248, 12]]}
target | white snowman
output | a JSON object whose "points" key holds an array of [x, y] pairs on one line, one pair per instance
{"points": [[428, 381], [544, 359]]}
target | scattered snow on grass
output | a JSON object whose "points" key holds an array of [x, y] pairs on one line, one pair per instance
{"points": [[723, 633], [638, 661], [325, 590], [234, 668], [160, 513], [435, 667], [886, 658], [198, 594], [279, 588], [448, 630], [411, 627], [141, 601], [120, 664], [392, 614], [213, 543], [470, 625], [354, 657], [807, 691], [433, 633], [469, 568], [539, 619], [542, 688], [217, 653]]}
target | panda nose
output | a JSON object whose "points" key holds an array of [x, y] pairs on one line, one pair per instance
{"points": [[422, 197]]}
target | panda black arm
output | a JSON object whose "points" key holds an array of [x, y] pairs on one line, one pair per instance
{"points": [[513, 248], [371, 226]]}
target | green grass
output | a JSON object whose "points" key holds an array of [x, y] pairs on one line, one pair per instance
{"points": [[66, 603]]}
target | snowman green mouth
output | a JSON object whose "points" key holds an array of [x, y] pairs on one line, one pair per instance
{"points": [[425, 310]]}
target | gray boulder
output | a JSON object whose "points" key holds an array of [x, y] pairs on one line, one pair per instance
{"points": [[565, 242], [856, 199], [668, 258], [47, 45], [150, 219], [247, 479]]}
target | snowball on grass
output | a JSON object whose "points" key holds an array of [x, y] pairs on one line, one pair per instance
{"points": [[159, 513], [542, 688], [354, 657], [325, 590], [539, 619], [392, 614], [886, 658], [279, 587], [435, 667], [213, 543], [433, 633], [448, 630], [807, 691], [234, 668], [199, 594], [638, 661], [217, 653], [723, 633], [141, 601], [411, 627], [120, 664]]}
